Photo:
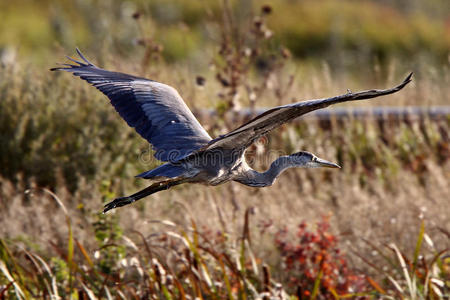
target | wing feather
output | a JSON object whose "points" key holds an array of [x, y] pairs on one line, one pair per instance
{"points": [[155, 110], [243, 136]]}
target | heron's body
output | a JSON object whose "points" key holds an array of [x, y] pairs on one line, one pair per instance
{"points": [[158, 113]]}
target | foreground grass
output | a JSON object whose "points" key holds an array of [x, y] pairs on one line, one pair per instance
{"points": [[181, 262]]}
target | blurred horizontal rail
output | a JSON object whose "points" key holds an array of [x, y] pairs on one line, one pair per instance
{"points": [[409, 113]]}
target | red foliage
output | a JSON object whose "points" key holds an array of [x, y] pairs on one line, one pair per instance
{"points": [[315, 253]]}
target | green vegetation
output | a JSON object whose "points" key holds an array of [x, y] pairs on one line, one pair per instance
{"points": [[378, 228], [360, 31]]}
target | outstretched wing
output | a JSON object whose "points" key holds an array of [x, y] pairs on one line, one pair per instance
{"points": [[155, 110], [245, 135]]}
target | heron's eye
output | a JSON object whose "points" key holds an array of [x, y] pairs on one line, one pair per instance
{"points": [[314, 158]]}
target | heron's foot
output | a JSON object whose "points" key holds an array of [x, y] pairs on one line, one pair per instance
{"points": [[118, 202]]}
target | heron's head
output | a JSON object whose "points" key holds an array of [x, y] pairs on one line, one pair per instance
{"points": [[308, 160]]}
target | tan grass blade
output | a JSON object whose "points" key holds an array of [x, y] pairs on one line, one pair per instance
{"points": [[70, 245], [130, 243], [54, 288], [252, 258], [88, 292], [6, 255], [409, 282], [182, 238], [437, 285], [396, 284], [19, 293], [119, 292], [108, 293]]}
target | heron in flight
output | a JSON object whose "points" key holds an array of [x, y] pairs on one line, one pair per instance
{"points": [[158, 113]]}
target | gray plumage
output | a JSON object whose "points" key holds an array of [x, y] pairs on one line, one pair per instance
{"points": [[158, 113]]}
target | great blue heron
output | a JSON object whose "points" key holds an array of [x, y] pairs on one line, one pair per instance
{"points": [[158, 113]]}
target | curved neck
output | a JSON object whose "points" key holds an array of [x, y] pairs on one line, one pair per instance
{"points": [[257, 179]]}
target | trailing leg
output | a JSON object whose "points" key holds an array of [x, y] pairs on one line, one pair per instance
{"points": [[156, 187]]}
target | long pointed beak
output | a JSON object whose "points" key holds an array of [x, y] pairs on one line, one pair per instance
{"points": [[326, 163]]}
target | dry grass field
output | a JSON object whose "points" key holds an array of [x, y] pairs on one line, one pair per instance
{"points": [[377, 228]]}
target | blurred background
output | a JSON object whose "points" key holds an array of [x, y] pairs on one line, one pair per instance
{"points": [[344, 34], [228, 59]]}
